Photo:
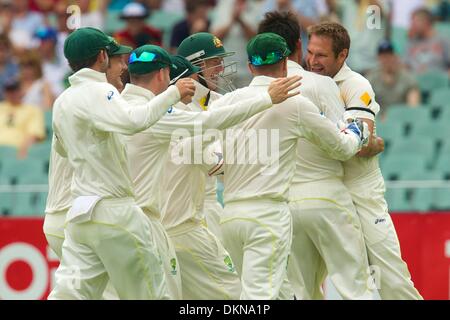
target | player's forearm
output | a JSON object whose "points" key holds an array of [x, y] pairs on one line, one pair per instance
{"points": [[324, 133], [223, 117], [227, 116], [376, 146]]}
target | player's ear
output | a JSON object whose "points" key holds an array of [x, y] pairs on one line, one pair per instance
{"points": [[342, 56]]}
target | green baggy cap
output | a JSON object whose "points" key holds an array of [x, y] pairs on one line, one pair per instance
{"points": [[182, 68], [85, 43], [120, 50], [148, 58], [267, 48]]}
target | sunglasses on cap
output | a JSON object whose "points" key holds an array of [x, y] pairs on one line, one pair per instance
{"points": [[144, 57], [271, 58]]}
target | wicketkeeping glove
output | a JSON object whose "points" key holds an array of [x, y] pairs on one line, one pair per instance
{"points": [[361, 129]]}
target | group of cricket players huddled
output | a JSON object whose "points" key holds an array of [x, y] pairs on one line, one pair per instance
{"points": [[130, 220]]}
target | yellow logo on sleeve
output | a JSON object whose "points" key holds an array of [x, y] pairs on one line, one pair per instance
{"points": [[366, 99]]}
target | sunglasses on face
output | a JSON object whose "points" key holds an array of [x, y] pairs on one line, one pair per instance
{"points": [[271, 58]]}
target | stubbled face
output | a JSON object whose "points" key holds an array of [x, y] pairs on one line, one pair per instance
{"points": [[211, 69], [117, 66], [321, 59]]}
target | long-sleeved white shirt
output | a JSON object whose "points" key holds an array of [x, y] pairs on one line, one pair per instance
{"points": [[359, 99], [88, 120], [60, 175], [255, 172], [148, 150]]}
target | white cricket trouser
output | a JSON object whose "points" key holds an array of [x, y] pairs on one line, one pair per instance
{"points": [[207, 271], [213, 211], [54, 230], [168, 255], [117, 245], [54, 233], [390, 272], [258, 236], [327, 238]]}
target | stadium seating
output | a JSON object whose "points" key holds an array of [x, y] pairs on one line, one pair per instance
{"points": [[442, 199], [396, 165], [397, 201], [432, 80], [440, 97]]}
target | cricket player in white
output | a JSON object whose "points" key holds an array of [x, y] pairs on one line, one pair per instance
{"points": [[147, 151], [326, 228], [256, 224], [107, 236], [328, 48], [60, 173], [207, 52]]}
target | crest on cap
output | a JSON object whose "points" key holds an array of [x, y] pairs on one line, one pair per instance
{"points": [[217, 42]]}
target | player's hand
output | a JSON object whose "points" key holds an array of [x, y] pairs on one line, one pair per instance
{"points": [[186, 87], [280, 89], [361, 129]]}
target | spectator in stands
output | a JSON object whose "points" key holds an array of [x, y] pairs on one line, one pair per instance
{"points": [[21, 125], [366, 30], [402, 10], [427, 50], [37, 90], [92, 16], [43, 6], [53, 68], [196, 21], [60, 10], [23, 25], [235, 22], [392, 83], [8, 67], [137, 33], [6, 16]]}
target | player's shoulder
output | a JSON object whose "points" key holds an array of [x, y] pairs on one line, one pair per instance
{"points": [[356, 80]]}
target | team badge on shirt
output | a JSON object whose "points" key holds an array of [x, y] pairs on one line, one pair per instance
{"points": [[110, 95], [173, 264], [229, 263], [366, 99]]}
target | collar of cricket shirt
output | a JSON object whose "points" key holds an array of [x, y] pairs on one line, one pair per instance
{"points": [[343, 73], [293, 64], [87, 74], [261, 81], [136, 91], [201, 97]]}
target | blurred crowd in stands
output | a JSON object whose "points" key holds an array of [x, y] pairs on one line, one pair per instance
{"points": [[392, 44]]}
